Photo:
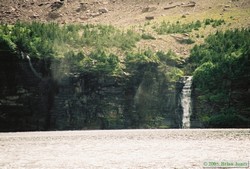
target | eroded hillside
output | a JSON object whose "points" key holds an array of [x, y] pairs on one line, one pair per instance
{"points": [[143, 16]]}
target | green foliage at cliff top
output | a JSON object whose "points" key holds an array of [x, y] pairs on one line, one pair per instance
{"points": [[67, 43], [52, 40], [222, 76]]}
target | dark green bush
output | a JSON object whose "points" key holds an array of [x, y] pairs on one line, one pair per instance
{"points": [[147, 36], [186, 41], [227, 121]]}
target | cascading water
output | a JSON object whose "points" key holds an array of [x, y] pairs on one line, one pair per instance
{"points": [[186, 102], [31, 66]]}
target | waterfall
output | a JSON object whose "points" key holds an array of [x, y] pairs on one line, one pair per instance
{"points": [[186, 102], [31, 66]]}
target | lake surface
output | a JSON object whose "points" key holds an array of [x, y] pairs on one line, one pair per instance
{"points": [[170, 148]]}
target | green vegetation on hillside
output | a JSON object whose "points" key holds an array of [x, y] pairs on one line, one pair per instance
{"points": [[147, 36], [222, 78], [178, 27], [51, 40]]}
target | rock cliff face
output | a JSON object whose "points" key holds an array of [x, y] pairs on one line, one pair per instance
{"points": [[89, 101], [102, 101], [143, 99], [25, 100]]}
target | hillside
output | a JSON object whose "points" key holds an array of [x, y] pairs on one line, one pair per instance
{"points": [[139, 15]]}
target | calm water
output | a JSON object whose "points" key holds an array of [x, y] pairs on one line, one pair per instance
{"points": [[174, 148]]}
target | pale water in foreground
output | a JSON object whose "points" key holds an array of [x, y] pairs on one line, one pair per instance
{"points": [[174, 148]]}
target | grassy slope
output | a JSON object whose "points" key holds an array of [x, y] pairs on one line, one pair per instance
{"points": [[128, 15], [234, 17]]}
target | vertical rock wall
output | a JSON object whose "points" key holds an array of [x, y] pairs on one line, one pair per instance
{"points": [[83, 100]]}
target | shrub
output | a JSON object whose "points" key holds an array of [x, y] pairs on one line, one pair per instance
{"points": [[186, 41], [178, 27], [147, 36], [166, 28], [227, 121]]}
